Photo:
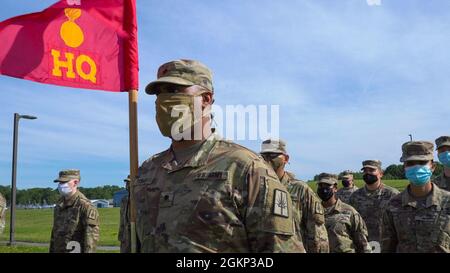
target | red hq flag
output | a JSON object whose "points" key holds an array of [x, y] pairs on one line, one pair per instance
{"points": [[78, 43]]}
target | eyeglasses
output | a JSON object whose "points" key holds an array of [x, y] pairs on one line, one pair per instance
{"points": [[415, 162], [324, 185], [270, 156], [169, 88]]}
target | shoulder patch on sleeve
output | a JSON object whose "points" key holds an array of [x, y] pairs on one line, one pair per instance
{"points": [[92, 214], [318, 208], [280, 203], [277, 216]]}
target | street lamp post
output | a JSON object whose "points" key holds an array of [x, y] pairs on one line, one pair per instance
{"points": [[17, 117]]}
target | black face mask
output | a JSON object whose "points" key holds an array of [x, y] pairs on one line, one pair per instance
{"points": [[346, 183], [370, 178], [325, 193]]}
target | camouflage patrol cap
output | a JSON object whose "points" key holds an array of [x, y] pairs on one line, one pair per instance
{"points": [[347, 174], [67, 175], [442, 141], [328, 178], [417, 150], [273, 146], [372, 163], [182, 72]]}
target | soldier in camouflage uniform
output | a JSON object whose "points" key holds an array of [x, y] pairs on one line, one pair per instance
{"points": [[443, 148], [418, 219], [2, 213], [309, 212], [206, 194], [75, 220], [124, 235], [348, 186], [347, 231], [371, 200]]}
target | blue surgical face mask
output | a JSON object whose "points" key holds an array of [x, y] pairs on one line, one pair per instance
{"points": [[418, 175], [444, 158]]}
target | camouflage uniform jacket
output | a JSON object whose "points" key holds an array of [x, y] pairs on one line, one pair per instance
{"points": [[75, 219], [222, 199], [370, 205], [310, 214], [2, 213], [124, 235], [345, 193], [413, 226], [442, 182], [347, 230]]}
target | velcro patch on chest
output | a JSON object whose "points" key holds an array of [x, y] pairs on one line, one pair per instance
{"points": [[215, 175], [280, 203]]}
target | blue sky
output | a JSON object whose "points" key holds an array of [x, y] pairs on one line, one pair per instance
{"points": [[352, 82]]}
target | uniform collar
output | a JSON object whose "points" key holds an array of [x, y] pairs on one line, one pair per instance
{"points": [[199, 158], [69, 202], [285, 179], [336, 207], [433, 199], [375, 192]]}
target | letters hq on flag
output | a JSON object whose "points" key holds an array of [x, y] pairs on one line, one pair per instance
{"points": [[83, 43]]}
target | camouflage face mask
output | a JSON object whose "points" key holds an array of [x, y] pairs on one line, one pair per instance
{"points": [[276, 163], [176, 111]]}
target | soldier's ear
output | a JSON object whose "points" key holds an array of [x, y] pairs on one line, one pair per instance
{"points": [[207, 99], [76, 182], [433, 165]]}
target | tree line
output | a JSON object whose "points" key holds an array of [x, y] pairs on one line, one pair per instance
{"points": [[48, 196], [394, 172]]}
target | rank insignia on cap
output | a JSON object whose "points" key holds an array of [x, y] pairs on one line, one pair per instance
{"points": [[280, 206]]}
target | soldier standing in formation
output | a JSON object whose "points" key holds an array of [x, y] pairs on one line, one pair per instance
{"points": [[371, 200], [443, 149], [75, 220], [348, 186], [124, 235], [2, 213], [309, 212], [347, 231], [205, 194], [418, 219]]}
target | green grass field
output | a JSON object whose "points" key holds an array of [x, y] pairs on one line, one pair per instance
{"points": [[23, 249], [35, 225]]}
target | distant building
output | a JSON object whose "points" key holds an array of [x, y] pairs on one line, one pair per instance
{"points": [[117, 197], [100, 203]]}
